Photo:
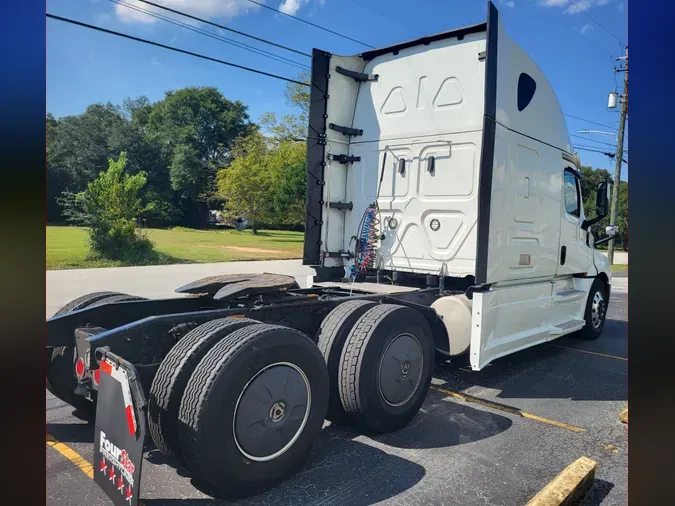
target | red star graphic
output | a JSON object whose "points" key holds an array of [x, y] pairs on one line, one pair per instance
{"points": [[103, 466], [129, 495], [111, 474], [120, 484]]}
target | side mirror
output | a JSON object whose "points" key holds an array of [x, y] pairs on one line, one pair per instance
{"points": [[611, 230], [602, 199], [601, 205]]}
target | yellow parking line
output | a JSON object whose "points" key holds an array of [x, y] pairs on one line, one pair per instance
{"points": [[74, 457], [589, 352], [507, 409], [71, 455]]}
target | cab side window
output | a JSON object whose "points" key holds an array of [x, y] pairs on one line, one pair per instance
{"points": [[571, 194]]}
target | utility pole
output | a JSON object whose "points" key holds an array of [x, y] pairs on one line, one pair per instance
{"points": [[619, 155]]}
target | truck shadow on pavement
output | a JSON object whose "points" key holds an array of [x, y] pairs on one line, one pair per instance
{"points": [[345, 463], [566, 368]]}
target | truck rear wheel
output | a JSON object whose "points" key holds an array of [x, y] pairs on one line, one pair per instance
{"points": [[596, 311], [252, 409], [61, 380], [173, 375], [386, 367], [332, 336]]}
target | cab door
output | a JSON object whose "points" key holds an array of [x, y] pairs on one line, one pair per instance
{"points": [[573, 253]]}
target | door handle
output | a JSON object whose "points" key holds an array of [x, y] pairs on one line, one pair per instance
{"points": [[563, 255], [401, 166], [527, 189], [431, 164]]}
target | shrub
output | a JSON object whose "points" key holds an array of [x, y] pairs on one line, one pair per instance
{"points": [[109, 207]]}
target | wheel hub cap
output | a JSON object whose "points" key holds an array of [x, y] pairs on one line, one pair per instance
{"points": [[400, 369], [597, 310], [277, 411], [271, 411]]}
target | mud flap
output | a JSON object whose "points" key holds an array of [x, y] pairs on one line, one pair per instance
{"points": [[120, 430]]}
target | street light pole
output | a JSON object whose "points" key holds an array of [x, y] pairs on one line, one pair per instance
{"points": [[619, 158]]}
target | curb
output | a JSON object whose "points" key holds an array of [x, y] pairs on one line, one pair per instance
{"points": [[569, 486]]}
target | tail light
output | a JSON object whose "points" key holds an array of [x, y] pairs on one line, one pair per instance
{"points": [[80, 368]]}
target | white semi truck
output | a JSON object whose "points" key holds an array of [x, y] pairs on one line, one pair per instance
{"points": [[444, 217]]}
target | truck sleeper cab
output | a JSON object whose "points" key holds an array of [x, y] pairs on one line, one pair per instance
{"points": [[459, 140], [444, 214]]}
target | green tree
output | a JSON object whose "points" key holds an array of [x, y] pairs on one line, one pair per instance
{"points": [[287, 163], [589, 183], [247, 183], [291, 126], [196, 128], [109, 208], [79, 147]]}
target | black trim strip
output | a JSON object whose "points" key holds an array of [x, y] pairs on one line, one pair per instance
{"points": [[488, 147], [359, 77], [316, 154], [346, 130], [341, 205], [460, 33]]}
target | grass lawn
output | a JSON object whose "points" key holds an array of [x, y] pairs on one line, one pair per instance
{"points": [[619, 267], [67, 247]]}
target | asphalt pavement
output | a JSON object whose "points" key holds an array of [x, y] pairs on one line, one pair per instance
{"points": [[493, 437]]}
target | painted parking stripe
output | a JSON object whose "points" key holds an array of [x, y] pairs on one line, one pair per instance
{"points": [[71, 455], [507, 409], [74, 457], [589, 352]]}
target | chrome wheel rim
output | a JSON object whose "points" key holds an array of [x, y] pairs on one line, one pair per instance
{"points": [[271, 411], [597, 310]]}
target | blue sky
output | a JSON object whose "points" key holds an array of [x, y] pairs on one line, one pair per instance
{"points": [[84, 66]]}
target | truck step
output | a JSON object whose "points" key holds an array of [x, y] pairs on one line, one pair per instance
{"points": [[567, 327]]}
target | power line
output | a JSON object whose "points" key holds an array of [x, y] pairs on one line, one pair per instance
{"points": [[593, 140], [180, 13], [157, 44], [220, 38], [589, 121], [583, 11], [308, 23], [606, 153], [594, 147]]}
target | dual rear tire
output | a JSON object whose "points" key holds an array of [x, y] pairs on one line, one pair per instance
{"points": [[380, 360], [239, 403]]}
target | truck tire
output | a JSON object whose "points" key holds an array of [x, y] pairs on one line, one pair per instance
{"points": [[386, 367], [172, 377], [596, 311], [252, 384], [84, 301], [61, 380], [332, 336]]}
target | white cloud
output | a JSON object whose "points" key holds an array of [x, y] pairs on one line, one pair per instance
{"points": [[208, 9], [291, 6], [575, 6], [508, 3], [155, 61], [586, 28], [100, 18]]}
